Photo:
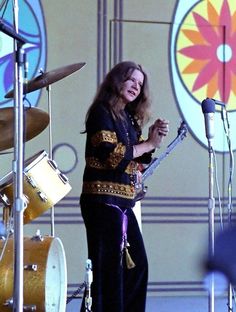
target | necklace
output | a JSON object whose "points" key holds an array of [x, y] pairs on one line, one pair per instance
{"points": [[135, 173]]}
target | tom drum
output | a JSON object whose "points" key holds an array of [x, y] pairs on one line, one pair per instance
{"points": [[43, 186]]}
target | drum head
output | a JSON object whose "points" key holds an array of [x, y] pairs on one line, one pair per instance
{"points": [[56, 276]]}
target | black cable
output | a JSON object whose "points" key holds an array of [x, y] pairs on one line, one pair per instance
{"points": [[4, 4], [75, 293]]}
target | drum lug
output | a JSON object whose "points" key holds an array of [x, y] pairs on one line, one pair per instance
{"points": [[53, 164], [5, 200], [38, 237], [31, 181], [31, 267], [9, 303], [42, 196], [31, 307], [63, 178]]}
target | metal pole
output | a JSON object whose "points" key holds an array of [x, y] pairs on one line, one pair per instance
{"points": [[104, 40], [99, 41], [211, 211], [120, 31], [18, 204], [115, 33], [50, 152]]}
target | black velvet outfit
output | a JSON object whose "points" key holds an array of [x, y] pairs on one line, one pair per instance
{"points": [[106, 203]]}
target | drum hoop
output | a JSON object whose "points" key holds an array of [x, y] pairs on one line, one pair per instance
{"points": [[33, 160], [29, 163]]}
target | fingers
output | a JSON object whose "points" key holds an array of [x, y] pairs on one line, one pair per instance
{"points": [[162, 125]]}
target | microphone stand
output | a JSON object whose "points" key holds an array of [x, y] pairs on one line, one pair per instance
{"points": [[211, 229]]}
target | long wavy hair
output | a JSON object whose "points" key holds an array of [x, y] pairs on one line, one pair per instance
{"points": [[108, 94]]}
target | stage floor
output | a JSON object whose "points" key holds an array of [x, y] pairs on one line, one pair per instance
{"points": [[169, 304]]}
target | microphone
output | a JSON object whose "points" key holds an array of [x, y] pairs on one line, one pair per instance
{"points": [[208, 109], [88, 282], [217, 102]]}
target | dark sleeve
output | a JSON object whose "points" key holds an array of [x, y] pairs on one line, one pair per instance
{"points": [[146, 158], [104, 143]]}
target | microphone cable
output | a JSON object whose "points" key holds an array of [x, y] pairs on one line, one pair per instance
{"points": [[76, 293], [225, 119], [226, 126]]}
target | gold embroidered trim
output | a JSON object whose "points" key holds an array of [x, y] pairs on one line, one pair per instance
{"points": [[117, 155], [109, 188], [112, 162], [132, 167], [93, 162], [104, 136]]}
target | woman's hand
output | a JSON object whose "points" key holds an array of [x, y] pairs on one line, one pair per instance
{"points": [[157, 132]]}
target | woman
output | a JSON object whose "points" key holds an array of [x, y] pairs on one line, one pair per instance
{"points": [[115, 154]]}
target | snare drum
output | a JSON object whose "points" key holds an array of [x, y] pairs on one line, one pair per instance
{"points": [[44, 185], [45, 274]]}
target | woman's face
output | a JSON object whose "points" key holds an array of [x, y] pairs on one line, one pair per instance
{"points": [[132, 86]]}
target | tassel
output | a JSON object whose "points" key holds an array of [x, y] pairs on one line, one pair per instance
{"points": [[129, 262]]}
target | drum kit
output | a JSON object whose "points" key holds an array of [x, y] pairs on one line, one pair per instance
{"points": [[44, 185]]}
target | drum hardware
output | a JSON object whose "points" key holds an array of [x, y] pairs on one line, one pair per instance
{"points": [[38, 237], [63, 178], [31, 267], [42, 196], [31, 181], [53, 164], [9, 304], [4, 199], [46, 80], [29, 308], [17, 141], [6, 209], [25, 200]]}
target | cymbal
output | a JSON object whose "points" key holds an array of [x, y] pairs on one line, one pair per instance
{"points": [[36, 121], [46, 79]]}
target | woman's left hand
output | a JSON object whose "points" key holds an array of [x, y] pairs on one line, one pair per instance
{"points": [[163, 126]]}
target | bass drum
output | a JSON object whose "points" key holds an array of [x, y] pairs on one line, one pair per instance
{"points": [[45, 275]]}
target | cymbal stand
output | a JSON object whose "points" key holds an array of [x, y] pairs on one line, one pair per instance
{"points": [[211, 230], [19, 203], [49, 89]]}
